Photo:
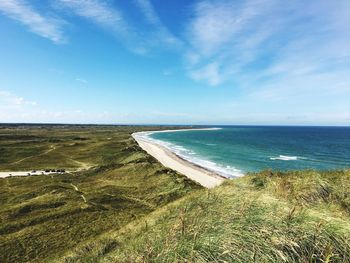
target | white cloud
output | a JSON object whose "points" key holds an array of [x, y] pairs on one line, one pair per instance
{"points": [[104, 14], [257, 41], [21, 11], [8, 101], [214, 25], [226, 34]]}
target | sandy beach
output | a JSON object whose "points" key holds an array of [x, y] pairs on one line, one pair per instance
{"points": [[169, 159]]}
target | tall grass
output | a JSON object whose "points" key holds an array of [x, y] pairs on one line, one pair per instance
{"points": [[265, 217]]}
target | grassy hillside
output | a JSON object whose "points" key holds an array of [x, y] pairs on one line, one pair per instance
{"points": [[45, 216], [264, 217], [26, 147], [128, 208]]}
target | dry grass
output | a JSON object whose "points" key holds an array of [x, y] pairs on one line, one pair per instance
{"points": [[265, 217]]}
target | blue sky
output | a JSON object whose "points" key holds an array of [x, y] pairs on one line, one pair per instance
{"points": [[176, 61]]}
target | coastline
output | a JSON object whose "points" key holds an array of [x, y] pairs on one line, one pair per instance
{"points": [[201, 175]]}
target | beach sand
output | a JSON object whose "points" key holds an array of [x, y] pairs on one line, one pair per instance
{"points": [[169, 159]]}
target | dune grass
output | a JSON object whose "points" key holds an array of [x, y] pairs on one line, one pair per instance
{"points": [[44, 216], [298, 216]]}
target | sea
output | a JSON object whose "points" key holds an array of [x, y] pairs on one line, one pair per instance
{"points": [[233, 151]]}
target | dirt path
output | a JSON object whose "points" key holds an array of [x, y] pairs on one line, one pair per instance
{"points": [[52, 148], [83, 166]]}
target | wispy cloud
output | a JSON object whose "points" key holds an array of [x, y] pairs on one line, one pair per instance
{"points": [[23, 12], [104, 15], [97, 11], [9, 101], [266, 42], [130, 32], [209, 73], [161, 32], [14, 108], [217, 23], [138, 35]]}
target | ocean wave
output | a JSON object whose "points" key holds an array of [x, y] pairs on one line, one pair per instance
{"points": [[225, 171], [285, 158]]}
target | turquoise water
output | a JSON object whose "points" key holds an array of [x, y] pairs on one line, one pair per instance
{"points": [[233, 151]]}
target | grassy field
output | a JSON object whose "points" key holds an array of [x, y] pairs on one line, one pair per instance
{"points": [[128, 208], [264, 217], [71, 147], [42, 217]]}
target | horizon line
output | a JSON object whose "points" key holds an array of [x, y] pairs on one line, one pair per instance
{"points": [[155, 124]]}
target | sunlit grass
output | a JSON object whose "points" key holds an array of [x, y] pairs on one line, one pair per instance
{"points": [[264, 217], [44, 216]]}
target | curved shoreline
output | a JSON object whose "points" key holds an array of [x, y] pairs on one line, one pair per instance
{"points": [[201, 175]]}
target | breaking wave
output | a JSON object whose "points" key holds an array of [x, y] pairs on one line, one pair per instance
{"points": [[285, 158]]}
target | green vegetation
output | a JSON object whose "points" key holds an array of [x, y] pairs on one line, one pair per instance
{"points": [[128, 208], [45, 216], [26, 147], [264, 217]]}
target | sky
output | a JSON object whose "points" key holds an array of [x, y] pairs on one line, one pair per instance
{"points": [[250, 62]]}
